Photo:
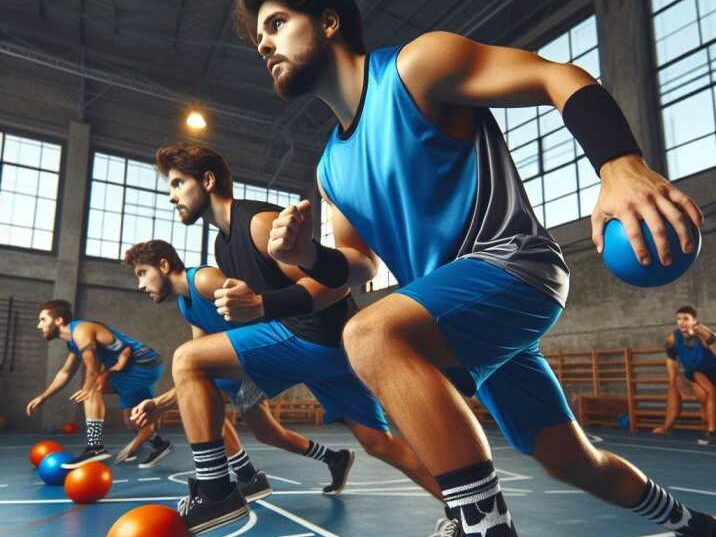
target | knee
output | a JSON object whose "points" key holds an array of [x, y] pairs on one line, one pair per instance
{"points": [[181, 363], [362, 337], [377, 446]]}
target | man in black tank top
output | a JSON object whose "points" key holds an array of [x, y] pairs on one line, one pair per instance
{"points": [[290, 334]]}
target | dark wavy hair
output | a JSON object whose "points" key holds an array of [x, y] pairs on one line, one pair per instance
{"points": [[196, 160]]}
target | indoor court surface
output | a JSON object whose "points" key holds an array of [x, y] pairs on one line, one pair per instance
{"points": [[540, 505]]}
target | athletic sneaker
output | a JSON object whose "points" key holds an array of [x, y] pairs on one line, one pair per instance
{"points": [[448, 528], [126, 455], [256, 488], [160, 450], [708, 439], [90, 454], [201, 513], [339, 472]]}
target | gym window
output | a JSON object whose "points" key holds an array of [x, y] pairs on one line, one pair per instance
{"points": [[685, 42], [29, 182], [560, 182]]}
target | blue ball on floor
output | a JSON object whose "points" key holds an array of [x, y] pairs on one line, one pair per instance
{"points": [[620, 259], [623, 420], [51, 470]]}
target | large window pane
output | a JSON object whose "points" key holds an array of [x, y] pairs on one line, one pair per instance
{"points": [[28, 191], [547, 157], [686, 71]]}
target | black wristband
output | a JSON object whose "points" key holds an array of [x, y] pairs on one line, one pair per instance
{"points": [[671, 352], [711, 339], [598, 124], [331, 268], [286, 302]]}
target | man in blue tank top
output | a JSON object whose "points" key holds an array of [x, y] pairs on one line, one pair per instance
{"points": [[418, 174], [693, 345], [114, 363], [161, 273], [289, 332]]}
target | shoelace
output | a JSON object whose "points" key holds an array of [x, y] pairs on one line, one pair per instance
{"points": [[185, 504], [450, 529]]}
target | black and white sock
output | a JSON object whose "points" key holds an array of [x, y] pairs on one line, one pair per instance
{"points": [[241, 465], [321, 453], [473, 498], [212, 468], [662, 508], [95, 439]]}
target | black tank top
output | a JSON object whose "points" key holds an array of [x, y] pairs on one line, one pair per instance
{"points": [[239, 258]]}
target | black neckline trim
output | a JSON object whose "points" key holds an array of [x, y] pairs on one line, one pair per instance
{"points": [[344, 135]]}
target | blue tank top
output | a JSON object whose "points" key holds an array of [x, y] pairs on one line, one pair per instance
{"points": [[406, 187], [200, 311], [421, 198], [108, 355], [696, 358]]}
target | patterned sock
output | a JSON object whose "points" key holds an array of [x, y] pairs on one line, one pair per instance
{"points": [[321, 453], [212, 469], [662, 508], [474, 499], [95, 440], [241, 465]]}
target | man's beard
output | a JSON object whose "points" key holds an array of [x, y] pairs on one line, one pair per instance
{"points": [[164, 292], [52, 333], [301, 75], [191, 217]]}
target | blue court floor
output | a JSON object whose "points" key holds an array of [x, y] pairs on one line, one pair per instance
{"points": [[378, 502]]}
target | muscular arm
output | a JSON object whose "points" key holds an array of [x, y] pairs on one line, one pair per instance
{"points": [[85, 337], [122, 360], [322, 295], [63, 376]]}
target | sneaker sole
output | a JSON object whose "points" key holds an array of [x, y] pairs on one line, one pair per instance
{"points": [[102, 457], [220, 521], [163, 454], [704, 442], [259, 495], [336, 492]]}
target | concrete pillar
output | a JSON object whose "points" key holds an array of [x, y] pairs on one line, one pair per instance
{"points": [[69, 255], [626, 53]]}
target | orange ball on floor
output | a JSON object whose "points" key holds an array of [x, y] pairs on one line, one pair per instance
{"points": [[88, 483], [149, 521], [42, 449]]}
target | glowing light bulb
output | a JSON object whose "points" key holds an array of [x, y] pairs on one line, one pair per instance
{"points": [[196, 121]]}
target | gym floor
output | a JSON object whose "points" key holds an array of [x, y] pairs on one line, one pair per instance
{"points": [[378, 501]]}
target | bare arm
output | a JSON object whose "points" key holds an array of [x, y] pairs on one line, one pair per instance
{"points": [[122, 360], [63, 376], [85, 337], [443, 71]]}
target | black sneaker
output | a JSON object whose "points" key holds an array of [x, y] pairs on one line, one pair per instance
{"points": [[201, 513], [339, 472], [448, 528], [256, 488], [160, 450], [708, 439], [90, 454]]}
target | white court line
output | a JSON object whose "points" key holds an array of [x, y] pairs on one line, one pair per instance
{"points": [[657, 448], [564, 492], [120, 481], [250, 523], [277, 478], [297, 519], [386, 482], [149, 479], [2, 486], [511, 476], [697, 491]]}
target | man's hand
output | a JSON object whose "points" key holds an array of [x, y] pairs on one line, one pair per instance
{"points": [[702, 331], [290, 238], [81, 395], [632, 192], [145, 413], [237, 302], [34, 405], [660, 430]]}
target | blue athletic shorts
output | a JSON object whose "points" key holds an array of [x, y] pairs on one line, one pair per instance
{"points": [[276, 359], [135, 384], [493, 322]]}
